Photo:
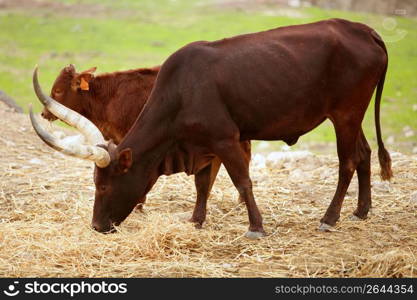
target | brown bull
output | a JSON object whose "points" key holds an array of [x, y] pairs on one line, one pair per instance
{"points": [[273, 85], [113, 101]]}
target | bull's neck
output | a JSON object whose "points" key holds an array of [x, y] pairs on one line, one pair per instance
{"points": [[151, 136], [96, 99]]}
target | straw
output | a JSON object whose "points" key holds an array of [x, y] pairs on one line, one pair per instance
{"points": [[46, 203]]}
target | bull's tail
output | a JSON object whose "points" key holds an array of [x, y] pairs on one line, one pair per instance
{"points": [[383, 154]]}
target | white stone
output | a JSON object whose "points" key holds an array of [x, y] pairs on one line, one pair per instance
{"points": [[36, 161], [258, 161], [409, 133], [390, 140], [263, 145], [383, 186]]}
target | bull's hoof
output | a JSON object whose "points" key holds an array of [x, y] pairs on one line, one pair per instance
{"points": [[356, 218], [254, 235], [325, 227], [197, 225], [139, 208]]}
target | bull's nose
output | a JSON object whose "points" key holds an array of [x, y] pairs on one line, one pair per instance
{"points": [[108, 228]]}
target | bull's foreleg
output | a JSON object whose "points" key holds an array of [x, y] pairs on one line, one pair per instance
{"points": [[237, 165], [203, 183]]}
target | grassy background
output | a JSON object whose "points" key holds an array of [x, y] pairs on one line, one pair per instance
{"points": [[115, 35]]}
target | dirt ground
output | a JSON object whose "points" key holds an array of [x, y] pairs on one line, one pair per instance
{"points": [[46, 204]]}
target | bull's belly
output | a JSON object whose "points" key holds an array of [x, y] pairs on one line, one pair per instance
{"points": [[289, 132]]}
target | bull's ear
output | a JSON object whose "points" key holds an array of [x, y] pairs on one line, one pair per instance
{"points": [[89, 71], [125, 160], [82, 80]]}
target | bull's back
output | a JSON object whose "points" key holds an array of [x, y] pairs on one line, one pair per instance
{"points": [[276, 84]]}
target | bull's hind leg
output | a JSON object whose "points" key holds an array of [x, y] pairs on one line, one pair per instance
{"points": [[364, 177], [237, 166], [347, 135], [203, 183]]}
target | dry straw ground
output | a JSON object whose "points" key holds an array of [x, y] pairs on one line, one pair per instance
{"points": [[46, 206]]}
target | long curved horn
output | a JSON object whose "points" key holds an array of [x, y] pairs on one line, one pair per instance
{"points": [[72, 118], [97, 154]]}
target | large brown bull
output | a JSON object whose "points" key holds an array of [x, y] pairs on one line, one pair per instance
{"points": [[273, 85], [112, 102]]}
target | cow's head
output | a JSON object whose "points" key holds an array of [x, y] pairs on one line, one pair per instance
{"points": [[117, 189], [115, 174], [68, 89]]}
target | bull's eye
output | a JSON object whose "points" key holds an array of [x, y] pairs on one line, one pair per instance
{"points": [[102, 188], [58, 92]]}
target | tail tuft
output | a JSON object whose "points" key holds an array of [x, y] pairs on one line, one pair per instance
{"points": [[385, 163]]}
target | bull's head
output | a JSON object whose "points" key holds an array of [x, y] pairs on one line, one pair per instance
{"points": [[68, 89], [115, 177]]}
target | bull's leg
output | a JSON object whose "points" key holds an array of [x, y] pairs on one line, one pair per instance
{"points": [[204, 182], [246, 147], [234, 159], [347, 137], [364, 177]]}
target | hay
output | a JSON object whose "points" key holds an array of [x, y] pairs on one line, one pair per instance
{"points": [[46, 205]]}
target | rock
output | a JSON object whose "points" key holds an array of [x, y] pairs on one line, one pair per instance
{"points": [[258, 161], [409, 133], [382, 186], [263, 145], [285, 148], [390, 140], [36, 161]]}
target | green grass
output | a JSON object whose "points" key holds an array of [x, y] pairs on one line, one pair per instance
{"points": [[125, 34]]}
